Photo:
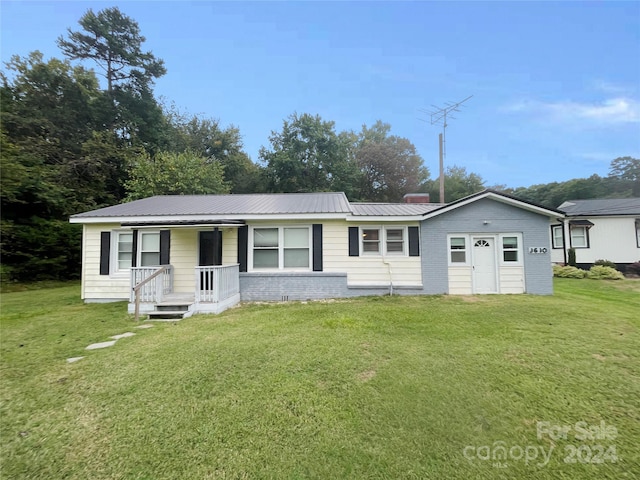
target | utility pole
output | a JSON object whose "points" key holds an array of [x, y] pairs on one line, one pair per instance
{"points": [[439, 116]]}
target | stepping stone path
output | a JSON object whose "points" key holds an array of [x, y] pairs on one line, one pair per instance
{"points": [[110, 343], [95, 346], [123, 335]]}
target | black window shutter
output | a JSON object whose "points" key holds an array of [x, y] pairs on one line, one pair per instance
{"points": [[243, 245], [414, 242], [354, 242], [317, 247], [105, 252], [134, 249], [165, 247]]}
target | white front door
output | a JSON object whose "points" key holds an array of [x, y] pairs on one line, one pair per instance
{"points": [[484, 265]]}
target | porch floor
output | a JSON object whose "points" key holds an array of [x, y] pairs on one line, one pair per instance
{"points": [[178, 299]]}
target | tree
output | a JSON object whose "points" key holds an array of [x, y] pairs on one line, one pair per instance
{"points": [[48, 113], [627, 171], [390, 166], [309, 156], [174, 174], [113, 41], [457, 184], [206, 138], [625, 168]]}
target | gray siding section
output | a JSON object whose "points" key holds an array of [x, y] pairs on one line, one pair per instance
{"points": [[277, 286], [471, 218]]}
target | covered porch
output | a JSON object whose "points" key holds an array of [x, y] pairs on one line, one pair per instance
{"points": [[197, 271], [152, 291]]}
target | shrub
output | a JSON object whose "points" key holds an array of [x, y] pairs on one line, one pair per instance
{"points": [[605, 263], [633, 269], [568, 272], [600, 272], [572, 257]]}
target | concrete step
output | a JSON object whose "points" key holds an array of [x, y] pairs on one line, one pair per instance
{"points": [[167, 314], [160, 307]]}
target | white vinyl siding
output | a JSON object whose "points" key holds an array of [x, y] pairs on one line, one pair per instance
{"points": [[184, 258], [460, 280], [610, 238], [511, 279], [367, 270], [510, 266], [96, 287]]}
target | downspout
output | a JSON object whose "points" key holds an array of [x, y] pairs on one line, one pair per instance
{"points": [[564, 241], [386, 262]]}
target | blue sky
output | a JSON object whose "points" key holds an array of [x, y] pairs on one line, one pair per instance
{"points": [[556, 86]]}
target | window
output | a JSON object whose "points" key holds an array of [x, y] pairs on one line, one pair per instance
{"points": [[124, 253], [370, 241], [395, 241], [281, 248], [149, 249], [383, 240], [510, 249], [296, 248], [579, 237], [458, 249], [265, 248], [638, 233], [557, 236]]}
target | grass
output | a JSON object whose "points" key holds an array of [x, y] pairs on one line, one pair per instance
{"points": [[376, 388]]}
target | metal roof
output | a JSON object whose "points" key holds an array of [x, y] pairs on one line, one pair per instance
{"points": [[601, 207], [392, 209], [233, 204]]}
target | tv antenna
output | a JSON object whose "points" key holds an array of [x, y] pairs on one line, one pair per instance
{"points": [[439, 116]]}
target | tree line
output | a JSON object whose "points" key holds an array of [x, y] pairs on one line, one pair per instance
{"points": [[71, 145]]}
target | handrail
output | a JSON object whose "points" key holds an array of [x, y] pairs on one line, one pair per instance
{"points": [[136, 288]]}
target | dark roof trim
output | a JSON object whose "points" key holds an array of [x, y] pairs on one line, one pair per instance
{"points": [[183, 223], [581, 223], [448, 206]]}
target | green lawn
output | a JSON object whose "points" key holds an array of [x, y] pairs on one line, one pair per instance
{"points": [[390, 387]]}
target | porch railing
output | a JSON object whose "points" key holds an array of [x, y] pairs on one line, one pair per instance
{"points": [[217, 283], [150, 284]]}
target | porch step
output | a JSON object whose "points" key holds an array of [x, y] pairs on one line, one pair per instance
{"points": [[171, 310], [167, 314], [166, 307]]}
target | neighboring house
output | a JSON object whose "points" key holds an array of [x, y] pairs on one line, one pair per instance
{"points": [[213, 250], [598, 229]]}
